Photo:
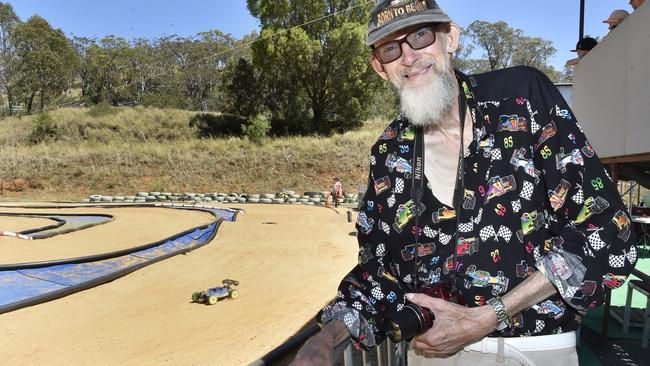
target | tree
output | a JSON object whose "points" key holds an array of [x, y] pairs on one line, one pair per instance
{"points": [[316, 75], [498, 40], [504, 47], [82, 46], [47, 60], [197, 64], [567, 75], [107, 70], [242, 91], [146, 69], [8, 59], [209, 56]]}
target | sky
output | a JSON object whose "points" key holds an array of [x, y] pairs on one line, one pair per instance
{"points": [[554, 20]]}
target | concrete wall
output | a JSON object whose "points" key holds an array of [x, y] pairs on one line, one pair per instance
{"points": [[611, 89], [567, 93]]}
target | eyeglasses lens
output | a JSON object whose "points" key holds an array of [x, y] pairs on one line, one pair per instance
{"points": [[391, 51]]}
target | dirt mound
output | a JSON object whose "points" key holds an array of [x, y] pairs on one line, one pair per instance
{"points": [[19, 185]]}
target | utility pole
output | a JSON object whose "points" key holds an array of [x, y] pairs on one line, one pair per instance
{"points": [[582, 20]]}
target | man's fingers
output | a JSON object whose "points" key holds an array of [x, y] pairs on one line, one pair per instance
{"points": [[424, 300]]}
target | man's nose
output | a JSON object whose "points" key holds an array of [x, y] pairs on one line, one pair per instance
{"points": [[409, 56]]}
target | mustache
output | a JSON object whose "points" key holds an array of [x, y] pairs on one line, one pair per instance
{"points": [[420, 65]]}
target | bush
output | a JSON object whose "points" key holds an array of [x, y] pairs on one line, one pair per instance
{"points": [[101, 109], [164, 101], [257, 129], [210, 125], [44, 130]]}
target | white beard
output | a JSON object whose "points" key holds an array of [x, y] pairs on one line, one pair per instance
{"points": [[429, 103]]}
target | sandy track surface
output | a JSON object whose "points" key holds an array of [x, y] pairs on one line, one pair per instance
{"points": [[288, 259], [130, 227], [17, 224]]}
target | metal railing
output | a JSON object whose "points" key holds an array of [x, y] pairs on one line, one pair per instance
{"points": [[386, 354]]}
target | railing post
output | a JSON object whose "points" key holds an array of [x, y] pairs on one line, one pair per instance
{"points": [[380, 354], [366, 358], [390, 348], [347, 356], [341, 348], [401, 353]]}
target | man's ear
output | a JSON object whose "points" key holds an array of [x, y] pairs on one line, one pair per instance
{"points": [[379, 68], [453, 37]]}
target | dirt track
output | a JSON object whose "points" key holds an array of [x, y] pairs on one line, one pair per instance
{"points": [[130, 227], [288, 259]]}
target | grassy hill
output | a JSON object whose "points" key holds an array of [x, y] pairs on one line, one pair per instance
{"points": [[78, 152]]}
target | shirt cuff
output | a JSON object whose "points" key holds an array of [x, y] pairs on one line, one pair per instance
{"points": [[357, 325], [566, 272]]}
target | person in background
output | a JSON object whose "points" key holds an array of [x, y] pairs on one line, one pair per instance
{"points": [[636, 3], [337, 191], [582, 48], [616, 18]]}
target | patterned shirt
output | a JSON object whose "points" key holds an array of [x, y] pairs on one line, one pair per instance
{"points": [[535, 198]]}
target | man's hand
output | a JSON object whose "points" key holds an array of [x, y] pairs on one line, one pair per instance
{"points": [[454, 328], [317, 351]]}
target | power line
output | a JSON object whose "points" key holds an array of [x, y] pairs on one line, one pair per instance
{"points": [[247, 44]]}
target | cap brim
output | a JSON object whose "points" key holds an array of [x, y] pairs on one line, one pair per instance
{"points": [[397, 25]]}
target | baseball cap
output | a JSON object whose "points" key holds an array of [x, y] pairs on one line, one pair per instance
{"points": [[585, 44], [390, 16], [616, 16]]}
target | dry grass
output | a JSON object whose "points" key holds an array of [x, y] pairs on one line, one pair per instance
{"points": [[76, 125], [144, 149]]}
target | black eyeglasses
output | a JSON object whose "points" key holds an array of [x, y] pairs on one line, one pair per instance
{"points": [[418, 39]]}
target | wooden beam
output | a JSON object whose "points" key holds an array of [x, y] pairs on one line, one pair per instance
{"points": [[636, 158]]}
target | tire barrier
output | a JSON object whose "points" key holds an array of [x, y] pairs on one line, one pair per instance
{"points": [[282, 197], [27, 284]]}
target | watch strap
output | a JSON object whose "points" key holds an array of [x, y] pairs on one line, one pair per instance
{"points": [[503, 319]]}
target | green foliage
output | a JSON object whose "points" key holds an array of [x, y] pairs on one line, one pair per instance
{"points": [[47, 60], [498, 41], [243, 90], [311, 79], [8, 21], [164, 101], [315, 77], [503, 47], [8, 59], [385, 102], [106, 66], [44, 130], [101, 109], [567, 75], [212, 125], [257, 130]]}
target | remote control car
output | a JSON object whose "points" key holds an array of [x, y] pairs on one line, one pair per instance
{"points": [[212, 295]]}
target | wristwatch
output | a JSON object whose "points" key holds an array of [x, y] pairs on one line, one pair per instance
{"points": [[503, 319]]}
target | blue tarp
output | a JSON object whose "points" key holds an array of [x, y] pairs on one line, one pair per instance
{"points": [[25, 287]]}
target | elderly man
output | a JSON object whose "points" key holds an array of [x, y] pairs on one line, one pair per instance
{"points": [[485, 205]]}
